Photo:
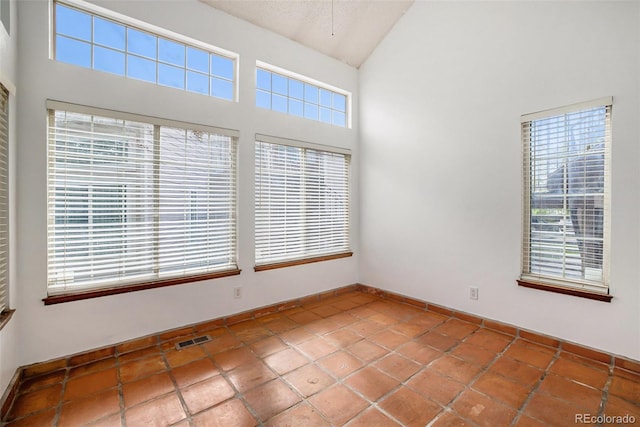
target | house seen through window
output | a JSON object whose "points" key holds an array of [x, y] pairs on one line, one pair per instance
{"points": [[567, 205], [132, 201]]}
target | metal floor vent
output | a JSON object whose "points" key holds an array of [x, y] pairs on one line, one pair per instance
{"points": [[194, 341]]}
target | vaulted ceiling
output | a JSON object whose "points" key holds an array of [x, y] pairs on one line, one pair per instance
{"points": [[347, 30]]}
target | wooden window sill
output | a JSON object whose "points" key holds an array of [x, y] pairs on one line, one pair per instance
{"points": [[291, 263], [5, 316], [566, 291], [96, 293]]}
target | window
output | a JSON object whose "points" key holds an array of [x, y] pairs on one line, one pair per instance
{"points": [[302, 202], [94, 41], [295, 95], [566, 171], [133, 199], [4, 198], [5, 14]]}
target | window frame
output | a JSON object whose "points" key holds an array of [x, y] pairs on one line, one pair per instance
{"points": [[306, 257], [159, 32], [85, 291], [260, 65], [5, 309], [586, 288]]}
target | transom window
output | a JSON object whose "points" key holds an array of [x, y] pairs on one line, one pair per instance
{"points": [[302, 202], [90, 40], [566, 170], [135, 200], [278, 91]]}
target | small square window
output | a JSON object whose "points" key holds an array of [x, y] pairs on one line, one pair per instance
{"points": [[295, 107], [108, 60], [142, 44], [263, 80], [279, 103], [197, 82], [279, 84], [171, 52], [141, 69], [108, 33], [197, 60], [169, 75], [73, 51], [263, 99], [221, 88], [222, 67], [73, 23]]}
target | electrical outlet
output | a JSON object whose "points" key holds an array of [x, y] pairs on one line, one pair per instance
{"points": [[237, 292], [473, 292]]}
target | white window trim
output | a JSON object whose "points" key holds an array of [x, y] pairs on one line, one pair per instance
{"points": [[577, 284], [95, 111], [543, 114], [301, 144]]}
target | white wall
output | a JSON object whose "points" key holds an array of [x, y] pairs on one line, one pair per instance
{"points": [[52, 331], [8, 77], [441, 156]]}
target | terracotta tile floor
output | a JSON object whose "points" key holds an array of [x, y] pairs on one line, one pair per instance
{"points": [[353, 360]]}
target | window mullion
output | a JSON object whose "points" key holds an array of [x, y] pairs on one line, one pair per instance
{"points": [[566, 209], [156, 200], [305, 211]]}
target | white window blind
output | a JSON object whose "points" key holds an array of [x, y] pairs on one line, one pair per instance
{"points": [[566, 206], [302, 201], [4, 198], [134, 200]]}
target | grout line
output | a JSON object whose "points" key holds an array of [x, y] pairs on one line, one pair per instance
{"points": [[536, 386], [175, 385], [224, 374], [56, 418], [116, 356], [605, 393], [448, 408]]}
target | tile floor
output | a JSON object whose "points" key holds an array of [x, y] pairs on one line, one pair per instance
{"points": [[353, 360]]}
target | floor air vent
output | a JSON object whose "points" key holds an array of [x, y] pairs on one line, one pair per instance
{"points": [[194, 341]]}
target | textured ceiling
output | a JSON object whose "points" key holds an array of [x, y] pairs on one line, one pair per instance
{"points": [[357, 25]]}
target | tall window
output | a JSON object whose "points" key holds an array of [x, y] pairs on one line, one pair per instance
{"points": [[298, 96], [566, 170], [134, 200], [90, 40], [4, 198], [302, 202]]}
